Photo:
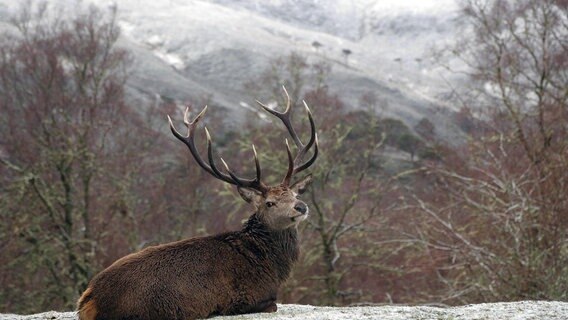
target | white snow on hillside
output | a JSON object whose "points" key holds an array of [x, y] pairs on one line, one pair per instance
{"points": [[197, 47]]}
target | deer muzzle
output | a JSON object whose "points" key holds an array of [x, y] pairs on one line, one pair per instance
{"points": [[301, 207]]}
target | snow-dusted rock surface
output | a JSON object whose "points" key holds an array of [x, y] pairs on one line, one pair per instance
{"points": [[524, 310]]}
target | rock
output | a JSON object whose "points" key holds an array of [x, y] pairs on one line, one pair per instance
{"points": [[523, 310]]}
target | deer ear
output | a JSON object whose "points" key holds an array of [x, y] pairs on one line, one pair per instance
{"points": [[302, 185], [250, 195]]}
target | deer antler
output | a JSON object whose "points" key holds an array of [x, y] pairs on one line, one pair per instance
{"points": [[211, 168], [294, 165]]}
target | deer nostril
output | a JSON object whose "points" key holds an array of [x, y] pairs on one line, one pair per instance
{"points": [[301, 208]]}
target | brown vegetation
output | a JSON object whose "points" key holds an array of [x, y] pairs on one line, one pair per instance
{"points": [[498, 223], [485, 221]]}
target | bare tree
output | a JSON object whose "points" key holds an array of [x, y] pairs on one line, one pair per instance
{"points": [[67, 162], [316, 44], [346, 53], [345, 217], [499, 213], [347, 198]]}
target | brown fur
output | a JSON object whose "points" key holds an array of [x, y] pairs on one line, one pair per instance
{"points": [[230, 273], [86, 306]]}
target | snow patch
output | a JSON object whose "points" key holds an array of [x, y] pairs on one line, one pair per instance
{"points": [[172, 59]]}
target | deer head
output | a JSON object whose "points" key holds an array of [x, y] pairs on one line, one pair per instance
{"points": [[278, 206]]}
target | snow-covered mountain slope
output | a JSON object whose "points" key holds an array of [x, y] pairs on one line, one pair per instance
{"points": [[212, 47]]}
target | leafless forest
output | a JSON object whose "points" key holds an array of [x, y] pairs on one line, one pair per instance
{"points": [[397, 215]]}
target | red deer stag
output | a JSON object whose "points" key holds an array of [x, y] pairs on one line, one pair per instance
{"points": [[229, 273]]}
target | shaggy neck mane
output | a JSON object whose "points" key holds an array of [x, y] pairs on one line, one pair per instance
{"points": [[279, 247]]}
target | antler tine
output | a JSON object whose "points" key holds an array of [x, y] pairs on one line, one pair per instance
{"points": [[235, 178], [211, 168], [218, 174], [188, 140], [308, 163], [255, 183], [285, 117], [313, 135], [186, 116], [288, 101], [291, 165], [257, 163]]}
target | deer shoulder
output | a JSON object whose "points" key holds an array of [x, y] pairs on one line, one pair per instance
{"points": [[229, 273]]}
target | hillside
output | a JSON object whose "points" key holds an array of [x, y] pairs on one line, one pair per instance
{"points": [[203, 48]]}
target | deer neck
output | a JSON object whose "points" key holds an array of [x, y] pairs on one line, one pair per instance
{"points": [[279, 247]]}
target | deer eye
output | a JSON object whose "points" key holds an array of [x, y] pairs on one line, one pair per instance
{"points": [[270, 204]]}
